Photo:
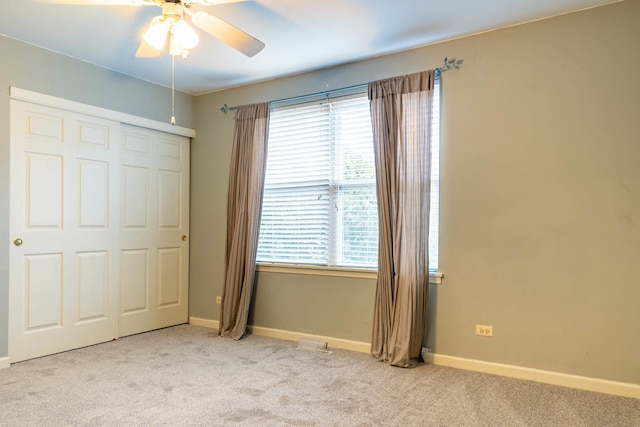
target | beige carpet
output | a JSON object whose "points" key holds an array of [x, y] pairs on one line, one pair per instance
{"points": [[187, 376]]}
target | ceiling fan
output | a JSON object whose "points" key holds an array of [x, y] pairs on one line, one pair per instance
{"points": [[172, 27]]}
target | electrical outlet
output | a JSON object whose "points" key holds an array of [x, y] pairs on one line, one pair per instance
{"points": [[484, 331], [218, 299]]}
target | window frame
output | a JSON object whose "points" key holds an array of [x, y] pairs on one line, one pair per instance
{"points": [[435, 275]]}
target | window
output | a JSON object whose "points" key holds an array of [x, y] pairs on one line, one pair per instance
{"points": [[319, 205]]}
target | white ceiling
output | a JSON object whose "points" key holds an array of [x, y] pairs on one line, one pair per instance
{"points": [[300, 35]]}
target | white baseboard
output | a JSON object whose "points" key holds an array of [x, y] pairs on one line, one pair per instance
{"points": [[4, 362], [362, 347], [511, 371], [539, 375], [197, 321]]}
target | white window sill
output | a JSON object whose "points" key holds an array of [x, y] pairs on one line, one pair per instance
{"points": [[435, 278]]}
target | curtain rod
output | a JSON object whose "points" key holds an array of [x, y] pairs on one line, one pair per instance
{"points": [[449, 64], [225, 108]]}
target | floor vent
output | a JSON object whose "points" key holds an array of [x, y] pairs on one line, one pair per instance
{"points": [[313, 345]]}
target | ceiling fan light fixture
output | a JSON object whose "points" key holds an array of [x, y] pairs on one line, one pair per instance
{"points": [[184, 35], [156, 35], [176, 50], [182, 39]]}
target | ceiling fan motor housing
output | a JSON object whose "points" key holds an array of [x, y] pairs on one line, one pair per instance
{"points": [[172, 10]]}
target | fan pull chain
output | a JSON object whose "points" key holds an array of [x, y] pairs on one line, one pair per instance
{"points": [[173, 89]]}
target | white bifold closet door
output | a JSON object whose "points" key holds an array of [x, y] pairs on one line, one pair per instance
{"points": [[155, 225], [98, 215], [64, 261]]}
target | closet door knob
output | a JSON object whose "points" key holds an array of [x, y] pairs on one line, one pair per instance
{"points": [[184, 238], [18, 242]]}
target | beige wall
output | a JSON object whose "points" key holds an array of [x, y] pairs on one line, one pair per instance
{"points": [[28, 67], [540, 208]]}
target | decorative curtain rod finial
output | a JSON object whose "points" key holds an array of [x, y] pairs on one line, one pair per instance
{"points": [[451, 64], [225, 108]]}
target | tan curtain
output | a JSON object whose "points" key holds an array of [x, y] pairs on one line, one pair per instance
{"points": [[244, 205], [401, 116]]}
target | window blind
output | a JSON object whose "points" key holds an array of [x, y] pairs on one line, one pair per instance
{"points": [[434, 211], [319, 204]]}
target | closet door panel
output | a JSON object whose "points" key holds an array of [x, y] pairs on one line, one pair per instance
{"points": [[155, 191], [64, 259]]}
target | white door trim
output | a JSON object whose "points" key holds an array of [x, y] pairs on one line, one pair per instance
{"points": [[103, 113]]}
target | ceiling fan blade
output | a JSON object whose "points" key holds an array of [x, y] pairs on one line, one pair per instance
{"points": [[227, 33], [100, 2], [213, 2], [145, 50]]}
